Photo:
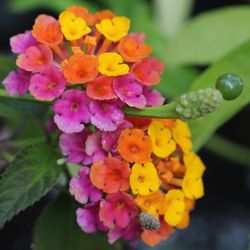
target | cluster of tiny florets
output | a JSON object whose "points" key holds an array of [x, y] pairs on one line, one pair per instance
{"points": [[137, 178]]}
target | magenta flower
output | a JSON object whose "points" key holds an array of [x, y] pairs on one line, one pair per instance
{"points": [[35, 58], [94, 147], [153, 97], [72, 111], [110, 139], [73, 146], [117, 210], [48, 84], [129, 91], [130, 233], [82, 189], [105, 115], [17, 82], [88, 219], [21, 42]]}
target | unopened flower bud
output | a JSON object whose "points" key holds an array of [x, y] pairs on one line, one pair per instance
{"points": [[149, 221], [193, 105]]}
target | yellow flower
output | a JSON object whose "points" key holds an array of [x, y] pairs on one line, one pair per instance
{"points": [[175, 207], [161, 138], [110, 64], [182, 135], [144, 179], [115, 29], [152, 203], [192, 183], [73, 27]]}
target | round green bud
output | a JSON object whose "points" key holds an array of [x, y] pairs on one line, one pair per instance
{"points": [[230, 86]]}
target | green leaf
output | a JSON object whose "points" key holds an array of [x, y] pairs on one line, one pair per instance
{"points": [[56, 229], [210, 36], [22, 6], [29, 177], [175, 81], [236, 62], [6, 65]]}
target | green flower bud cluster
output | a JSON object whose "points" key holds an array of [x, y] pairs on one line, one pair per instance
{"points": [[193, 105], [149, 221]]}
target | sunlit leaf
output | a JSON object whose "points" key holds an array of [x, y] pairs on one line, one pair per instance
{"points": [[235, 62], [210, 36]]}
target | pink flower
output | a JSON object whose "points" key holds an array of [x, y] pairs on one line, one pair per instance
{"points": [[148, 71], [105, 115], [21, 42], [110, 139], [117, 210], [82, 189], [17, 82], [73, 146], [35, 58], [130, 233], [153, 97], [88, 219], [94, 147], [48, 84], [72, 111], [129, 91]]}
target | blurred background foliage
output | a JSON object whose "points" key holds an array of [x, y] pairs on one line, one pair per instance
{"points": [[197, 41]]}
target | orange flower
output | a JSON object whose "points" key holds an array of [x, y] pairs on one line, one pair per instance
{"points": [[47, 30], [82, 12], [134, 146], [152, 203], [101, 88], [169, 123], [152, 238], [138, 122], [148, 71], [80, 68], [104, 14], [111, 175], [133, 50]]}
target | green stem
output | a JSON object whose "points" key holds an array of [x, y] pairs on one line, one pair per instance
{"points": [[229, 150], [25, 98], [165, 111]]}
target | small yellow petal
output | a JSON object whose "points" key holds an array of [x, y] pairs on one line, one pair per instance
{"points": [[111, 64], [161, 138], [115, 29]]}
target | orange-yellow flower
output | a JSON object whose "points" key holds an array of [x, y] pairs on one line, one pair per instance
{"points": [[111, 64], [175, 207], [111, 175], [80, 68], [104, 14], [132, 50], [134, 146], [152, 203], [73, 27], [192, 183], [153, 238], [82, 12], [47, 30], [161, 138], [182, 135], [144, 178], [115, 29]]}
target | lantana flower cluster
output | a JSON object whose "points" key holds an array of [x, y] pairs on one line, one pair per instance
{"points": [[137, 178], [89, 65], [147, 165]]}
